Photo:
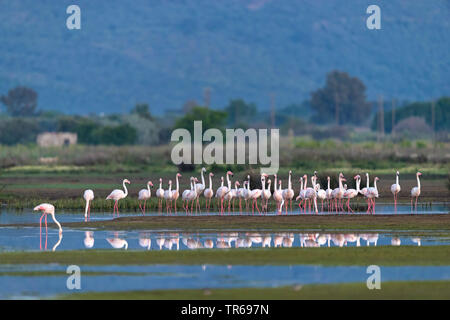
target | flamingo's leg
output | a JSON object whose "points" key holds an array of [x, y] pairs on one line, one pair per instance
{"points": [[46, 232], [417, 198], [40, 231]]}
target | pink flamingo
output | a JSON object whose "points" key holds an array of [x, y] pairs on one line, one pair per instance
{"points": [[46, 209], [144, 195], [351, 193], [168, 197], [118, 194], [372, 193], [415, 192], [160, 194], [288, 193], [176, 192], [395, 189], [338, 193], [88, 197], [277, 196], [209, 193]]}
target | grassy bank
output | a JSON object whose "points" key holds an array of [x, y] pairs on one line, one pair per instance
{"points": [[363, 256], [389, 290]]}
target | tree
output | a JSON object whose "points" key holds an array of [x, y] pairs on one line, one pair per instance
{"points": [[20, 102], [210, 119], [240, 112], [143, 110], [342, 100]]}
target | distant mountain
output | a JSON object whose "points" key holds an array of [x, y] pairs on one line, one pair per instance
{"points": [[166, 52]]}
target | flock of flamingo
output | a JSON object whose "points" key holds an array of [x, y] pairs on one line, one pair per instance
{"points": [[226, 195]]}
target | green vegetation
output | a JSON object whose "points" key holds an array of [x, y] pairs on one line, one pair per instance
{"points": [[353, 291], [210, 119], [361, 256], [422, 110]]}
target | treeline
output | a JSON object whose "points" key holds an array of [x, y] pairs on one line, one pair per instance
{"points": [[423, 110]]}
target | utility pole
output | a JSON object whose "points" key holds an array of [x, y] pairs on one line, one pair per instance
{"points": [[433, 122], [207, 96], [380, 118], [336, 107], [393, 119]]}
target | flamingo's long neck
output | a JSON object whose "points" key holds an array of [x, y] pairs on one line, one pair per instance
{"points": [[148, 188], [263, 184], [418, 182], [170, 187], [341, 187], [192, 184], [367, 180], [203, 178], [178, 184], [375, 184], [301, 184], [275, 183], [56, 222], [87, 208], [160, 184], [358, 181], [125, 188], [228, 182], [328, 183], [210, 182], [306, 182], [289, 182], [396, 180], [268, 185]]}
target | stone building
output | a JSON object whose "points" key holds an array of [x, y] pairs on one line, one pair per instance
{"points": [[56, 139]]}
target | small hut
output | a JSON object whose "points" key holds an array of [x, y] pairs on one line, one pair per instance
{"points": [[56, 139]]}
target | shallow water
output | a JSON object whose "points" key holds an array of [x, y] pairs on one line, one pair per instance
{"points": [[28, 216], [197, 277], [28, 238]]}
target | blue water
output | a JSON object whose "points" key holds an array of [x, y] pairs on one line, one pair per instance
{"points": [[200, 276], [28, 238]]}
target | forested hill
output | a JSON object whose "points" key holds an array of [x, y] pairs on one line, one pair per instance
{"points": [[166, 52]]}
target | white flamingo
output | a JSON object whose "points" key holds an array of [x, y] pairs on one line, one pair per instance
{"points": [[328, 194], [168, 194], [338, 193], [277, 192], [88, 197], [144, 195], [160, 194], [372, 193], [415, 192], [255, 194], [209, 193], [222, 191], [118, 194], [118, 243], [395, 189], [46, 209], [176, 192], [266, 194], [288, 193], [351, 193]]}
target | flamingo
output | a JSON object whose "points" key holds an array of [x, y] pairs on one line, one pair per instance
{"points": [[209, 193], [395, 189], [145, 195], [311, 194], [338, 193], [351, 193], [88, 197], [168, 197], [145, 241], [372, 193], [176, 192], [89, 239], [266, 193], [200, 187], [160, 194], [242, 194], [321, 194], [191, 195], [415, 192], [46, 209], [255, 194], [118, 243], [277, 192], [288, 193], [222, 191], [219, 191], [301, 194], [185, 193], [328, 193], [118, 194], [234, 193]]}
